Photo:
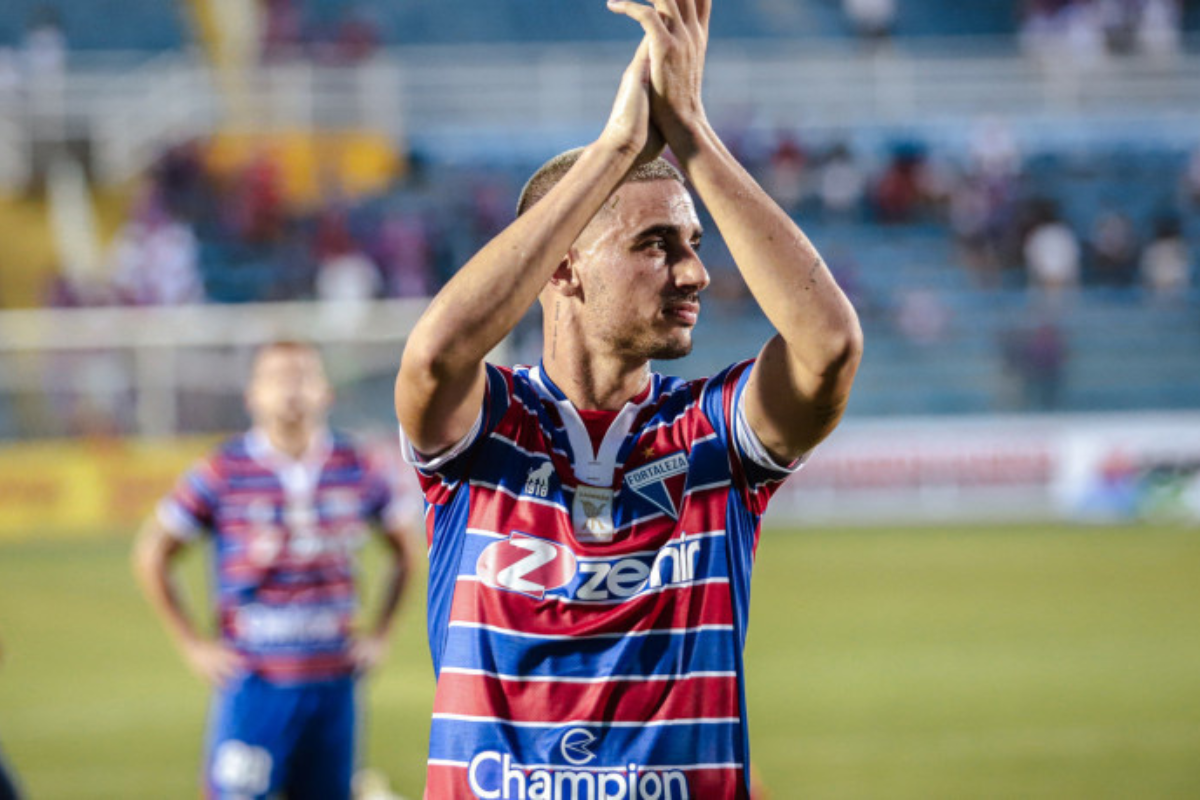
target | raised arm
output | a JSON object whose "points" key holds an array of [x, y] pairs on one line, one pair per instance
{"points": [[440, 386], [801, 382]]}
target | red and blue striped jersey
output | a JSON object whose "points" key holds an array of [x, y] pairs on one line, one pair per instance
{"points": [[284, 536], [588, 609]]}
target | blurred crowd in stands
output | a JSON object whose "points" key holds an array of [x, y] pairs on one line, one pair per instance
{"points": [[195, 233], [1088, 30], [40, 57], [350, 37], [1007, 230]]}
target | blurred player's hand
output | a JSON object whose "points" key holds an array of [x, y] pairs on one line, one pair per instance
{"points": [[368, 652], [677, 33], [629, 126], [213, 661]]}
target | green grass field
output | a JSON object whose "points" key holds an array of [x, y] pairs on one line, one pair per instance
{"points": [[989, 662]]}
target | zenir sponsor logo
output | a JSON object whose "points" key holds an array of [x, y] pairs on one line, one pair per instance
{"points": [[536, 567], [526, 564]]}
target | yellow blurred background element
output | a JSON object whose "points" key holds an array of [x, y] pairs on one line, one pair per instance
{"points": [[71, 489]]}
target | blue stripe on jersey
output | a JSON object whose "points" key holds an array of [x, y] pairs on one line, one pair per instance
{"points": [[677, 744], [444, 557], [741, 557], [712, 402], [663, 653], [709, 463], [510, 475]]}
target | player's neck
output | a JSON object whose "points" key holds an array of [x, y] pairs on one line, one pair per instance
{"points": [[293, 441], [592, 381]]}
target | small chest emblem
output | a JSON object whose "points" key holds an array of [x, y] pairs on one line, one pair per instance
{"points": [[591, 514], [650, 481], [537, 481]]}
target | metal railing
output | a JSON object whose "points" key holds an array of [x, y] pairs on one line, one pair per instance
{"points": [[163, 371]]}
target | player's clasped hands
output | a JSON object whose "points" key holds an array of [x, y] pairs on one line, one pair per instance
{"points": [[676, 38]]}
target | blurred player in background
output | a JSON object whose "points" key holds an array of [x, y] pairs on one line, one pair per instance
{"points": [[593, 523], [285, 506]]}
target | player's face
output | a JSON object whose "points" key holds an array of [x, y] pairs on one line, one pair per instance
{"points": [[640, 273], [288, 387]]}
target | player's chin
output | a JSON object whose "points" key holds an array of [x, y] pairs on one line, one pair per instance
{"points": [[675, 346]]}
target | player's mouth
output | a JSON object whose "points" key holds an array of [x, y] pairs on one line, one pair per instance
{"points": [[686, 312]]}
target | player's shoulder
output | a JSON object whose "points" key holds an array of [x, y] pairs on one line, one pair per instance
{"points": [[226, 457], [232, 448], [692, 389], [725, 379], [523, 382]]}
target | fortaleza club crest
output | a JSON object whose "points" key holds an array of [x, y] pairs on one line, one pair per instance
{"points": [[655, 481]]}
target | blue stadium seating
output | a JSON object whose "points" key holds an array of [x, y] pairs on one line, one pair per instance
{"points": [[131, 25], [441, 21]]}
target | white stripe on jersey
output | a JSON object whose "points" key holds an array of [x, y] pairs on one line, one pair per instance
{"points": [[662, 723], [499, 437], [448, 762], [567, 637], [677, 677], [615, 601]]}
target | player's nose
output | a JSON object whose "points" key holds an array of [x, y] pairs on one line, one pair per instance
{"points": [[689, 272]]}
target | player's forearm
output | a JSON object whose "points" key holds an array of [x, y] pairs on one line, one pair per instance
{"points": [[783, 270], [152, 558], [395, 583], [439, 380], [393, 593]]}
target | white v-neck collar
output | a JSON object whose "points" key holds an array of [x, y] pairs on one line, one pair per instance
{"points": [[593, 467], [298, 476]]}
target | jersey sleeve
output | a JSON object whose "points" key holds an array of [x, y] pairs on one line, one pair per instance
{"points": [[755, 474], [442, 474], [190, 509]]}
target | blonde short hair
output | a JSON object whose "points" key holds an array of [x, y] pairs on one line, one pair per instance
{"points": [[550, 173]]}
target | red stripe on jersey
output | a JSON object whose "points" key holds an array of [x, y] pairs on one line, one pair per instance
{"points": [[499, 512], [477, 695], [436, 491], [302, 668], [686, 606], [718, 784], [444, 782]]}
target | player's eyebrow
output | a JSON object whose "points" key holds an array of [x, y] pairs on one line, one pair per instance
{"points": [[667, 230]]}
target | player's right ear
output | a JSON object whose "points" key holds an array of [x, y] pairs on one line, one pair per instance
{"points": [[565, 279]]}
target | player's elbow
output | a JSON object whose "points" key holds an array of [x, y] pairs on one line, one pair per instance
{"points": [[422, 367], [426, 363], [840, 356]]}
